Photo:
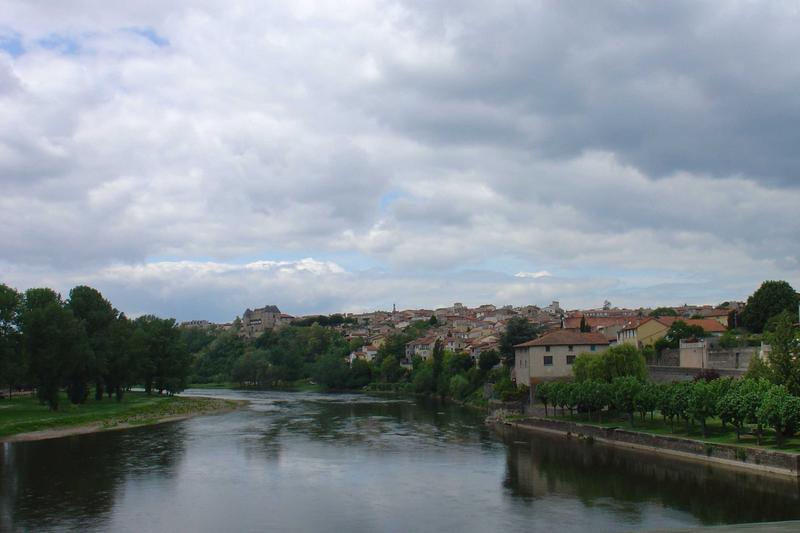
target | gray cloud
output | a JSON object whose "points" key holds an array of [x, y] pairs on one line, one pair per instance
{"points": [[606, 144]]}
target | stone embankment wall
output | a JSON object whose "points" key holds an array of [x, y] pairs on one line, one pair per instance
{"points": [[772, 461], [668, 374]]}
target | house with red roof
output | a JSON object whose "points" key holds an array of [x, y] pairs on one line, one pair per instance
{"points": [[551, 356]]}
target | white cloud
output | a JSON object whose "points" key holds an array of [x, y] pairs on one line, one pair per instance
{"points": [[607, 145], [534, 275]]}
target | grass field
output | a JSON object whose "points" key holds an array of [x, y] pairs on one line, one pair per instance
{"points": [[23, 414], [716, 434]]}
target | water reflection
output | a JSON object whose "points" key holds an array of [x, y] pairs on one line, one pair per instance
{"points": [[541, 465], [72, 482], [360, 463]]}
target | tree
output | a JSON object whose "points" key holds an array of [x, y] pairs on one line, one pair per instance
{"points": [[772, 298], [96, 315], [784, 355], [663, 311], [702, 403], [360, 374], [647, 400], [781, 411], [617, 361], [433, 321], [625, 390], [584, 327], [165, 361], [391, 371], [677, 331], [12, 363], [331, 372], [56, 346], [488, 359], [518, 330]]}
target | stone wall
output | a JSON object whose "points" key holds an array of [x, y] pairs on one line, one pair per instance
{"points": [[668, 374], [773, 461]]}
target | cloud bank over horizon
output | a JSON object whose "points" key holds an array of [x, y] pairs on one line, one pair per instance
{"points": [[197, 158]]}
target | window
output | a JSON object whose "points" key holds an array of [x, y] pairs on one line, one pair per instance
{"points": [[570, 359], [548, 360], [546, 348], [569, 348], [593, 348]]}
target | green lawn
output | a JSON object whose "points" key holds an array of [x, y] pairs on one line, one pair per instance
{"points": [[716, 434], [23, 414]]}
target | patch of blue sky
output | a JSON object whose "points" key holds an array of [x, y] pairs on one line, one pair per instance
{"points": [[11, 43], [388, 199], [151, 35], [64, 44]]}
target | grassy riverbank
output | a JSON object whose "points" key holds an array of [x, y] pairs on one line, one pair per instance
{"points": [[23, 415]]}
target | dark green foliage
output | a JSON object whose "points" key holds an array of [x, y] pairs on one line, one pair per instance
{"points": [[324, 320], [677, 331], [663, 311], [488, 359], [617, 361], [12, 362], [772, 298], [518, 330], [784, 355], [96, 316], [55, 345], [625, 391], [584, 327]]}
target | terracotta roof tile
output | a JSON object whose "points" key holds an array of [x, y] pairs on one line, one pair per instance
{"points": [[562, 337]]}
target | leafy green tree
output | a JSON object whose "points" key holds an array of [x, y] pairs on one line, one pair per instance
{"points": [[423, 381], [781, 411], [391, 371], [360, 374], [617, 361], [459, 387], [544, 392], [784, 355], [677, 331], [680, 393], [331, 371], [730, 408], [56, 346], [584, 327], [96, 314], [772, 298], [165, 360], [753, 393], [433, 321], [437, 359], [12, 362], [625, 390], [663, 311], [488, 359], [647, 400], [122, 367], [703, 399], [518, 330]]}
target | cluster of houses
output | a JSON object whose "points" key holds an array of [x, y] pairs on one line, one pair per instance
{"points": [[459, 328], [550, 356]]}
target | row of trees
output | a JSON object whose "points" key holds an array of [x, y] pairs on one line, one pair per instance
{"points": [[741, 403], [83, 342]]}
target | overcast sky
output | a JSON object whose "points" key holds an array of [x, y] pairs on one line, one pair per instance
{"points": [[193, 158]]}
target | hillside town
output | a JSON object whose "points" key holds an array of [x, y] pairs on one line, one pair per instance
{"points": [[561, 335]]}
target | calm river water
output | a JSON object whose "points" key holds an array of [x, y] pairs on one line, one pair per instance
{"points": [[314, 462]]}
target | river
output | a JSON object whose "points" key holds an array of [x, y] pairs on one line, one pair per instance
{"points": [[350, 463]]}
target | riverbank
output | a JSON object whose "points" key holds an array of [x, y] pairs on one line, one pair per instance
{"points": [[740, 457], [24, 419]]}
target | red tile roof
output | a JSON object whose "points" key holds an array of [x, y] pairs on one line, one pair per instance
{"points": [[561, 337], [709, 325]]}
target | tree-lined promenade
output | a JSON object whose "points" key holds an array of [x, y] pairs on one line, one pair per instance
{"points": [[762, 406]]}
